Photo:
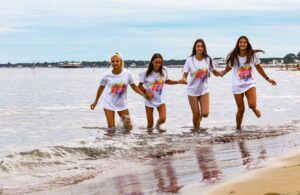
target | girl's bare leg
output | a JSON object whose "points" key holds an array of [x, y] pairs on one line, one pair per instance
{"points": [[239, 99], [194, 103], [251, 97], [204, 104], [162, 115], [110, 118], [149, 114], [124, 114]]}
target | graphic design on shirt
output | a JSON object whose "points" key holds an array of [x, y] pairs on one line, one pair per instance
{"points": [[201, 73], [118, 89], [245, 72], [156, 86]]}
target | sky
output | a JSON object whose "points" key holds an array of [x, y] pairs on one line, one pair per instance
{"points": [[92, 30]]}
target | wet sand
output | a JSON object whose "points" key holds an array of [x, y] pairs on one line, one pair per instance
{"points": [[191, 172], [281, 177]]}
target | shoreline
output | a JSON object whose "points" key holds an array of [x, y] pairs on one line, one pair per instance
{"points": [[279, 177]]}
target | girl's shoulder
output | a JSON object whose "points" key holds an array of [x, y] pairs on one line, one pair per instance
{"points": [[165, 69], [256, 55], [207, 60], [143, 72], [107, 72], [189, 60], [126, 71]]}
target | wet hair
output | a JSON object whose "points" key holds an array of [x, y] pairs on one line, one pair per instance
{"points": [[118, 55], [205, 54], [233, 55], [151, 65]]}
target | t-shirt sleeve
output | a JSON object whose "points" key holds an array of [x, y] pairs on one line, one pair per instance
{"points": [[130, 78], [211, 65], [103, 80], [186, 67], [142, 77], [256, 60], [166, 74]]}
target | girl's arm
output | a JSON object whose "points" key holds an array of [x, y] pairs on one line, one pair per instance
{"points": [[149, 95], [172, 82], [141, 86], [137, 90], [99, 92], [261, 71], [227, 69], [184, 78]]}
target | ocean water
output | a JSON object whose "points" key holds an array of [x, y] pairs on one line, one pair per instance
{"points": [[50, 138]]}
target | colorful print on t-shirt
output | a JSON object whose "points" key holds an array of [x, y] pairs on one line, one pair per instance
{"points": [[244, 72], [156, 86], [201, 73], [118, 89]]}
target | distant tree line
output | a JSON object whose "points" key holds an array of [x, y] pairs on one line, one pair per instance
{"points": [[288, 58]]}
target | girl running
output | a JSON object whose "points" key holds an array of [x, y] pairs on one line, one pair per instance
{"points": [[198, 66], [115, 97], [243, 59], [152, 83]]}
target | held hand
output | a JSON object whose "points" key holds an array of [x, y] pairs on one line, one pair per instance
{"points": [[149, 95], [272, 82], [221, 73], [216, 73], [183, 81], [93, 105]]}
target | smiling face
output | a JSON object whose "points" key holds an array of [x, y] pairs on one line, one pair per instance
{"points": [[116, 62], [243, 44], [157, 63], [199, 48]]}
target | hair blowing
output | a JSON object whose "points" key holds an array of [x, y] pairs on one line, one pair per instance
{"points": [[233, 55]]}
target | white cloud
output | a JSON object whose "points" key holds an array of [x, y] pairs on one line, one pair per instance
{"points": [[9, 29]]}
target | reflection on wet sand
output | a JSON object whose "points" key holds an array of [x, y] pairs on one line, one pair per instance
{"points": [[207, 163], [128, 184], [247, 158], [166, 182], [245, 154]]}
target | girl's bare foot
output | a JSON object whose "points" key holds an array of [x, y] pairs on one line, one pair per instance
{"points": [[127, 123], [160, 126], [257, 112]]}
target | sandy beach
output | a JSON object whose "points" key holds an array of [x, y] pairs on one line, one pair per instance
{"points": [[281, 177]]}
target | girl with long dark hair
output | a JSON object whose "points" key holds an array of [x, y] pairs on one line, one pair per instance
{"points": [[198, 66], [243, 59], [152, 83]]}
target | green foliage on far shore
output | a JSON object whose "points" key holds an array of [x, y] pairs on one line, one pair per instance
{"points": [[289, 58]]}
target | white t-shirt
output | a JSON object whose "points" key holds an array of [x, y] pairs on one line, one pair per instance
{"points": [[115, 94], [154, 83], [243, 75], [199, 72]]}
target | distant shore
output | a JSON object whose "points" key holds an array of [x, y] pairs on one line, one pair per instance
{"points": [[282, 67]]}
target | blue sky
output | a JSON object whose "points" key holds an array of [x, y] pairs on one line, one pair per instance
{"points": [[57, 30]]}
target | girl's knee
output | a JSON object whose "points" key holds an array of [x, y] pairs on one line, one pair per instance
{"points": [[205, 114], [162, 119], [196, 115], [241, 110], [252, 105]]}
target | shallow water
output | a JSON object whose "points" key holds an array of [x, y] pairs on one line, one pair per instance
{"points": [[50, 138]]}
